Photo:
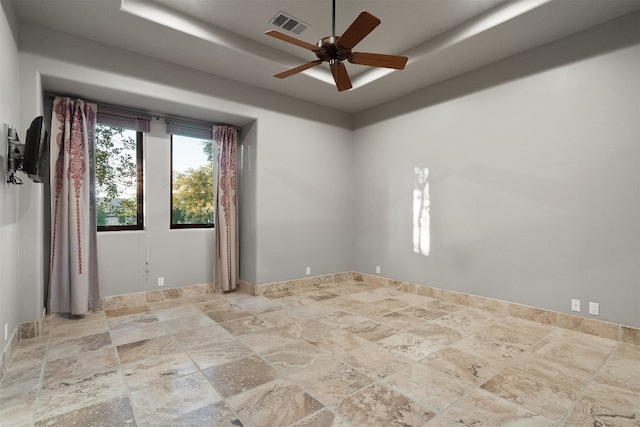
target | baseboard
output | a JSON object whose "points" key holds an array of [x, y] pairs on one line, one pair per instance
{"points": [[141, 298], [627, 334], [22, 331], [7, 354]]}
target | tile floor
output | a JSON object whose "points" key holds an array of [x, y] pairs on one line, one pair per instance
{"points": [[346, 354]]}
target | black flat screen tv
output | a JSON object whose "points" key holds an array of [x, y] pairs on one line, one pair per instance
{"points": [[36, 151]]}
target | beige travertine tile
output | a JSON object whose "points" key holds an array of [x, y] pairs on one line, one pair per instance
{"points": [[375, 361], [622, 368], [399, 321], [212, 304], [550, 369], [482, 408], [276, 403], [129, 320], [196, 290], [495, 307], [78, 329], [246, 325], [143, 349], [466, 367], [481, 367], [164, 294], [166, 400], [331, 380], [539, 315], [466, 321], [444, 306], [184, 310], [189, 322], [157, 369], [70, 346], [103, 359], [630, 335], [378, 405], [267, 339], [202, 336], [589, 326], [437, 333], [305, 328], [324, 418], [535, 394], [453, 297], [240, 375], [338, 342], [227, 313], [371, 330], [427, 385], [119, 301], [124, 311], [217, 353], [422, 313], [214, 414], [426, 291], [575, 349], [296, 357], [493, 350], [409, 345], [341, 319], [282, 317], [113, 412], [604, 405], [74, 393], [18, 409]]}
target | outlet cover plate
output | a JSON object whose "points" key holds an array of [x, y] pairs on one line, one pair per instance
{"points": [[575, 305], [594, 308]]}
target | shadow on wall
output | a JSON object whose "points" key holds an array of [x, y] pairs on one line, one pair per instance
{"points": [[614, 35]]}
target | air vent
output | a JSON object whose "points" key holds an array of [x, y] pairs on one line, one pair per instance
{"points": [[289, 23]]}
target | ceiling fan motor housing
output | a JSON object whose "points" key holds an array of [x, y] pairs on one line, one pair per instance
{"points": [[330, 51]]}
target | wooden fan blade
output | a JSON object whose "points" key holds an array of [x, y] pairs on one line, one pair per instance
{"points": [[363, 25], [297, 69], [340, 76], [379, 60], [286, 38]]}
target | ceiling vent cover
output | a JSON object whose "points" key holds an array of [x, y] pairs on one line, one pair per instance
{"points": [[289, 23]]}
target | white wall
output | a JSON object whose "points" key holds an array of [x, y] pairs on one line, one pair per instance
{"points": [[292, 148], [534, 178], [9, 194]]}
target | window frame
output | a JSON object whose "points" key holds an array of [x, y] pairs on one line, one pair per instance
{"points": [[173, 226], [139, 187]]}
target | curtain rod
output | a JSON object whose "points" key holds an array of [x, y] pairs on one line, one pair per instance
{"points": [[52, 96]]}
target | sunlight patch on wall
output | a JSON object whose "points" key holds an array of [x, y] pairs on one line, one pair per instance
{"points": [[421, 218]]}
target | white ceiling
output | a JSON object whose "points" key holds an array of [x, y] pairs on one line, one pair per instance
{"points": [[442, 38]]}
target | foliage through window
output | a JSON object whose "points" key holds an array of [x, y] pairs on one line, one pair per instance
{"points": [[192, 204], [119, 186]]}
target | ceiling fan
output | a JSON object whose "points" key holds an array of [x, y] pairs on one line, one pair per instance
{"points": [[336, 49]]}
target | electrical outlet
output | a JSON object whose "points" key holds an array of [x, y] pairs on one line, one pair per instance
{"points": [[308, 271], [594, 308], [575, 305], [377, 269], [160, 281]]}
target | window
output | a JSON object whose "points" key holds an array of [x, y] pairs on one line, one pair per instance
{"points": [[119, 185], [192, 204]]}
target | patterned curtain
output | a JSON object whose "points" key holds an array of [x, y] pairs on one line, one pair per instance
{"points": [[227, 257], [73, 286]]}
